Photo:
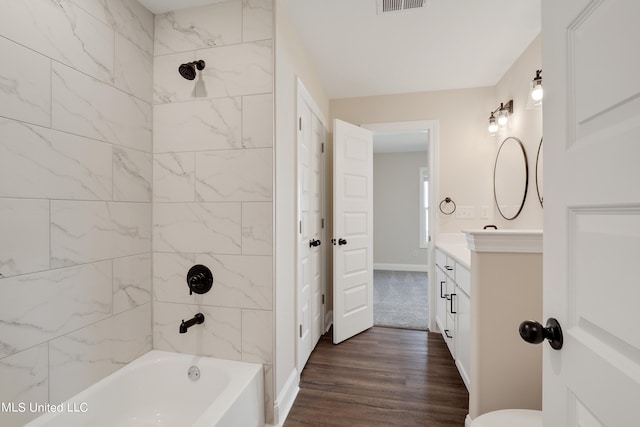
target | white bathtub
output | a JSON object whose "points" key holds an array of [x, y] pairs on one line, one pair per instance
{"points": [[155, 390]]}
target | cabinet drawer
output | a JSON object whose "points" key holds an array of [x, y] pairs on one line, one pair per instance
{"points": [[450, 268], [463, 279], [446, 263]]}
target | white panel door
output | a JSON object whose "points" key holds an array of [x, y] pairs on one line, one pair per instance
{"points": [[353, 230], [305, 263], [591, 67], [310, 268]]}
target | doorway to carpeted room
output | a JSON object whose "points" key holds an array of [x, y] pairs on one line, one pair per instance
{"points": [[400, 299]]}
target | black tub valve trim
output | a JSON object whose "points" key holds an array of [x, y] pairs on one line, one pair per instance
{"points": [[199, 279]]}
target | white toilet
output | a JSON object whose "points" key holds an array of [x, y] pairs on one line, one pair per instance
{"points": [[509, 418]]}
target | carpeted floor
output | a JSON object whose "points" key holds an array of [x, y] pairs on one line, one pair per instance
{"points": [[400, 299]]}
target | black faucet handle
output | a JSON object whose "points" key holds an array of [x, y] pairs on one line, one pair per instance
{"points": [[199, 279]]}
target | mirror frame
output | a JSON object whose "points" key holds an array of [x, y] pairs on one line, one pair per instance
{"points": [[538, 171], [526, 180]]}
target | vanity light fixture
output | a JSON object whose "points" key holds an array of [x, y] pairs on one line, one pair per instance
{"points": [[536, 91], [502, 118]]}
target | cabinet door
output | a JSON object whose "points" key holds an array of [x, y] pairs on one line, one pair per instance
{"points": [[441, 300], [450, 334], [462, 306]]}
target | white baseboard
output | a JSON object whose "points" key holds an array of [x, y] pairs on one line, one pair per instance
{"points": [[401, 267], [467, 421], [287, 396]]}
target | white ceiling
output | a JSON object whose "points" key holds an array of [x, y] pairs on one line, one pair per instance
{"points": [[449, 44]]}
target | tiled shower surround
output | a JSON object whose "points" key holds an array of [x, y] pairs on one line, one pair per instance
{"points": [[117, 175], [212, 185]]}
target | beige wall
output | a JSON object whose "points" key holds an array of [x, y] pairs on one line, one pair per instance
{"points": [[526, 124], [396, 208], [291, 61], [465, 149]]}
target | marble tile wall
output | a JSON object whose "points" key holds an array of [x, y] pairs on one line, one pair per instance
{"points": [[212, 181], [76, 162]]}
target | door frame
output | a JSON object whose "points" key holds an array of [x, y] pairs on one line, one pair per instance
{"points": [[304, 97], [433, 127]]}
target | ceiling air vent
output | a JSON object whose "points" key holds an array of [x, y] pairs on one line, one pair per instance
{"points": [[394, 6]]}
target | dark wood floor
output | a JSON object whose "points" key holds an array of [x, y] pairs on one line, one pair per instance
{"points": [[382, 377]]}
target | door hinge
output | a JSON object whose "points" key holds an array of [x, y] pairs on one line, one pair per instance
{"points": [[300, 331], [299, 123], [300, 227], [322, 298], [322, 147], [322, 223]]}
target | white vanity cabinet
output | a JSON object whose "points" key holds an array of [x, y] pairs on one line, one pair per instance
{"points": [[487, 282], [453, 308]]}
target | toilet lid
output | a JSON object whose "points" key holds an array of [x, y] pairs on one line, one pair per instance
{"points": [[509, 418]]}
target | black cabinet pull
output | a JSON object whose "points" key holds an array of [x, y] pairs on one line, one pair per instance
{"points": [[442, 295], [452, 312], [448, 268], [446, 332]]}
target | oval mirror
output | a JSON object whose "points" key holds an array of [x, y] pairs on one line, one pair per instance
{"points": [[539, 173], [510, 178]]}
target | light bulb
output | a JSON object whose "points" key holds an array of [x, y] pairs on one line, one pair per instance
{"points": [[493, 126], [537, 92], [503, 117], [536, 88]]}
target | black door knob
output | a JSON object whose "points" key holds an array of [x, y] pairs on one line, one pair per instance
{"points": [[314, 243], [534, 333], [342, 242]]}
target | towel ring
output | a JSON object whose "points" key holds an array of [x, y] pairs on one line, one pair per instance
{"points": [[447, 200]]}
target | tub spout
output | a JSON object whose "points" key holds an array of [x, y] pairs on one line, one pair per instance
{"points": [[196, 320]]}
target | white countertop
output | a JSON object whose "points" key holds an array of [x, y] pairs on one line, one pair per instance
{"points": [[455, 245]]}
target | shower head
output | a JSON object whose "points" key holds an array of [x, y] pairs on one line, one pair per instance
{"points": [[188, 70]]}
